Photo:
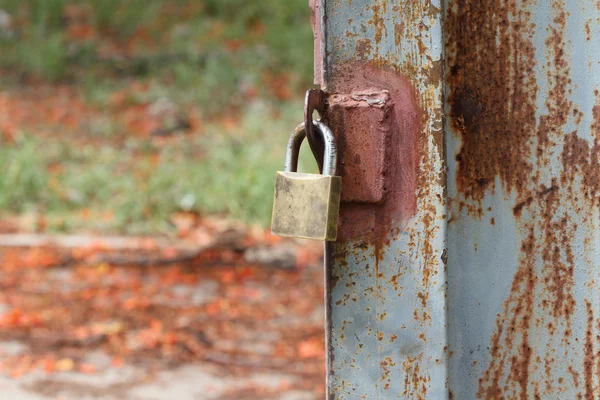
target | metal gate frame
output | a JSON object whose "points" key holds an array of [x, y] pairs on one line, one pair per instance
{"points": [[467, 260]]}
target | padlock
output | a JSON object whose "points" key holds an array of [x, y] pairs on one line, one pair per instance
{"points": [[307, 205]]}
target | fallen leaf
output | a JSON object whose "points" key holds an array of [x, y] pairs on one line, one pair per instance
{"points": [[65, 364], [117, 362], [312, 348], [87, 368], [49, 365]]}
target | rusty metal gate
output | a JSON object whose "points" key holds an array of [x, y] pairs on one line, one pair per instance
{"points": [[468, 251]]}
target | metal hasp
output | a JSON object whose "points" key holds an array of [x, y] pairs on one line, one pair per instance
{"points": [[367, 126], [314, 100], [476, 275]]}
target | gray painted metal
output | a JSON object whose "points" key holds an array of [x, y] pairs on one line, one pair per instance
{"points": [[523, 247], [517, 215], [387, 302]]}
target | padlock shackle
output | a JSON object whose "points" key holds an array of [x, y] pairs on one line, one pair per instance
{"points": [[295, 141]]}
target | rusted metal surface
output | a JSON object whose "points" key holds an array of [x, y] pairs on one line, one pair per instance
{"points": [[523, 153], [314, 101], [507, 243], [386, 275], [365, 118], [316, 19]]}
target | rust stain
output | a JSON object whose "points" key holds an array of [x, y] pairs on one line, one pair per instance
{"points": [[315, 16], [588, 362], [386, 367], [597, 354], [493, 92], [516, 318], [415, 381], [583, 159], [519, 207], [493, 99], [378, 19], [398, 33], [365, 116], [588, 31], [373, 222], [363, 49], [574, 375]]}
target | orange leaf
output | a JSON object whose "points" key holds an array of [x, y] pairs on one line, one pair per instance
{"points": [[49, 365], [117, 362], [170, 252], [12, 318], [228, 276], [65, 364], [170, 338], [312, 348], [87, 368], [285, 385], [246, 273], [156, 325]]}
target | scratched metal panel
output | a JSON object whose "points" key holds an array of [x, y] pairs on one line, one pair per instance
{"points": [[523, 154], [387, 279]]}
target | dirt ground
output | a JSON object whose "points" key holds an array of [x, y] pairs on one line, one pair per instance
{"points": [[193, 382], [241, 318], [146, 119]]}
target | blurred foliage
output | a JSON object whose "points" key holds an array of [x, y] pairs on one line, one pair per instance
{"points": [[200, 45], [140, 185], [242, 65], [23, 176]]}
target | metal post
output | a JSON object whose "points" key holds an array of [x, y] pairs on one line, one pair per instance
{"points": [[468, 252], [523, 147], [386, 282]]}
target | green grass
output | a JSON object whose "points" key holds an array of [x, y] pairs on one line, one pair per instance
{"points": [[123, 18], [221, 172], [217, 60], [23, 176], [193, 52]]}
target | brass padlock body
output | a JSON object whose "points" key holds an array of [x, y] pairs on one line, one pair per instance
{"points": [[306, 205]]}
